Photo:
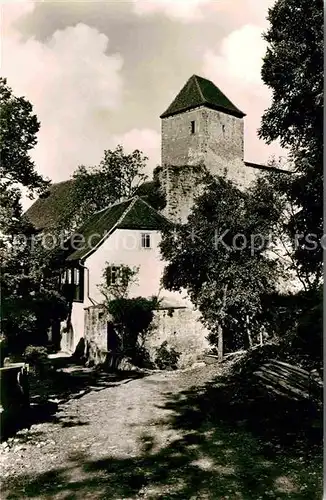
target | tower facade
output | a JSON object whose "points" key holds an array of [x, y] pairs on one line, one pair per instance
{"points": [[201, 129]]}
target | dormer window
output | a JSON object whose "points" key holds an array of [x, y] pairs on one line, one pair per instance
{"points": [[193, 126]]}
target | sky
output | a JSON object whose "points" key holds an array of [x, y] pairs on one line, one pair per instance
{"points": [[100, 74]]}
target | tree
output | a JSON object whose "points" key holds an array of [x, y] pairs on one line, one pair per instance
{"points": [[293, 69], [131, 316], [288, 240], [219, 257], [117, 177], [18, 129], [29, 303]]}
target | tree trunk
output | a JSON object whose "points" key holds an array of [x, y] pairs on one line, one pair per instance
{"points": [[248, 331], [220, 350], [220, 343]]}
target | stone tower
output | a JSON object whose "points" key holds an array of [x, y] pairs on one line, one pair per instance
{"points": [[200, 129]]}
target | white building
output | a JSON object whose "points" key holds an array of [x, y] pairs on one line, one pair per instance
{"points": [[125, 234], [201, 129]]}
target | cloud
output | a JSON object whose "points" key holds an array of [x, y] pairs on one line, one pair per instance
{"points": [[74, 84], [236, 68], [238, 11], [241, 55], [182, 10], [146, 140], [243, 11], [74, 78]]}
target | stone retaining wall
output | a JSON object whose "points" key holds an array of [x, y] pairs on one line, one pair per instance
{"points": [[180, 327]]}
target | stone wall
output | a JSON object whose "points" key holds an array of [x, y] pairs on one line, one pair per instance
{"points": [[224, 148], [179, 146], [180, 185], [218, 141], [182, 330], [217, 145], [180, 327], [96, 334]]}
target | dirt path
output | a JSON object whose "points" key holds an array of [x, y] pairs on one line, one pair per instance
{"points": [[145, 438]]}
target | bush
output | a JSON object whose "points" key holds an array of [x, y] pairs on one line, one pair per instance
{"points": [[3, 350], [167, 358], [37, 358], [133, 318], [141, 358], [26, 320], [309, 333]]}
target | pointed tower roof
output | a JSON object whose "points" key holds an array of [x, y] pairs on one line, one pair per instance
{"points": [[199, 91]]}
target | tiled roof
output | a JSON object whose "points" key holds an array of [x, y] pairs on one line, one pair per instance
{"points": [[259, 166], [134, 213], [56, 206], [199, 91], [50, 209]]}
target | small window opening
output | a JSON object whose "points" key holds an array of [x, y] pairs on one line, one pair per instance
{"points": [[193, 127], [112, 275], [146, 241]]}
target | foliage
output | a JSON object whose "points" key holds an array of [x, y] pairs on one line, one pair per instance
{"points": [[34, 355], [287, 235], [127, 277], [117, 177], [293, 69], [18, 129], [29, 302], [152, 192], [309, 331], [37, 358], [224, 278], [132, 317], [141, 357], [28, 315], [297, 321], [166, 357]]}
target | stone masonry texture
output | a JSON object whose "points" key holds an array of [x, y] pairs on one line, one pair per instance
{"points": [[217, 145]]}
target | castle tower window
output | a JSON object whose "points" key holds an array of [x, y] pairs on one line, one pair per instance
{"points": [[193, 126]]}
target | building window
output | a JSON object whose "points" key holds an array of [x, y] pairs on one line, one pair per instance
{"points": [[193, 127], [79, 284], [146, 241], [73, 283], [112, 275]]}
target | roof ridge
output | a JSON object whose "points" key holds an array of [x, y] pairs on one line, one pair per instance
{"points": [[199, 91], [106, 235], [113, 205], [199, 88], [154, 209]]}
